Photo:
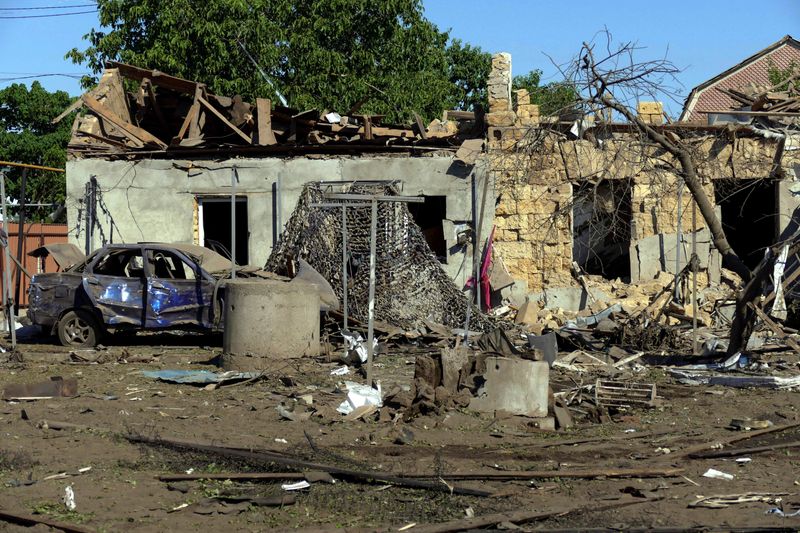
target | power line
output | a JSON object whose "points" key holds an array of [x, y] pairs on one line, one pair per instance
{"points": [[50, 15], [73, 76], [45, 7]]}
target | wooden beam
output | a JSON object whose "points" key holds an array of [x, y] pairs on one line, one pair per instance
{"points": [[154, 103], [776, 329], [187, 121], [156, 77], [423, 132], [752, 113], [205, 103], [129, 130], [736, 97], [266, 137], [367, 120], [74, 106], [452, 114], [26, 165], [786, 282], [194, 123]]}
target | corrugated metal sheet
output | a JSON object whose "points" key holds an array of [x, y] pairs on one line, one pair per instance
{"points": [[34, 235]]}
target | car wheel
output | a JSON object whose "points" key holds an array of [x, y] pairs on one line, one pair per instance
{"points": [[78, 328]]}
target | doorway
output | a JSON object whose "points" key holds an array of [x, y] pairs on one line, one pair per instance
{"points": [[601, 227], [215, 227], [749, 215], [428, 216]]}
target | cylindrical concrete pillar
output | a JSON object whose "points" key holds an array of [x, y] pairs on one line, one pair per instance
{"points": [[267, 320]]}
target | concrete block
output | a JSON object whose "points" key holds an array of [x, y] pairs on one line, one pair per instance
{"points": [[650, 108], [267, 320], [547, 344], [515, 386], [528, 313], [571, 299]]}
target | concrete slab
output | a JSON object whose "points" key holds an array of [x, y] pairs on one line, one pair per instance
{"points": [[568, 298], [515, 386]]}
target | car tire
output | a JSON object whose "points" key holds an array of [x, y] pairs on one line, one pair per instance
{"points": [[78, 328]]}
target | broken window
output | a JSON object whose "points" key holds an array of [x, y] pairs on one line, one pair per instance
{"points": [[749, 215], [428, 216], [215, 227], [167, 265], [601, 227], [121, 263]]}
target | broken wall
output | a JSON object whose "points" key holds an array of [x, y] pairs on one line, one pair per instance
{"points": [[538, 172]]}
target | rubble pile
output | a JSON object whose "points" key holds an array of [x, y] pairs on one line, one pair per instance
{"points": [[166, 113]]}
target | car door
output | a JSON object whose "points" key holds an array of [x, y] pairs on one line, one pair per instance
{"points": [[114, 282], [179, 292]]}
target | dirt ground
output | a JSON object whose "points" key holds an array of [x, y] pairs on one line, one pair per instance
{"points": [[121, 491]]}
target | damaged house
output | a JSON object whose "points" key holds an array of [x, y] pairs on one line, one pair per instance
{"points": [[170, 162]]}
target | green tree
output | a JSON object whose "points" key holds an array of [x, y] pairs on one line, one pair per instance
{"points": [[778, 75], [324, 54], [552, 98], [468, 69], [27, 136]]}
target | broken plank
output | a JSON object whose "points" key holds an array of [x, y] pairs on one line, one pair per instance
{"points": [[366, 476], [380, 131], [786, 283], [547, 474], [776, 329], [523, 516], [74, 106], [134, 132], [730, 440], [266, 137], [423, 132], [187, 122], [452, 114], [744, 451], [205, 103], [156, 77], [234, 476], [154, 103], [29, 521]]}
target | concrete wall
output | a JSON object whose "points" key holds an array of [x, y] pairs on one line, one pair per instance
{"points": [[156, 200]]}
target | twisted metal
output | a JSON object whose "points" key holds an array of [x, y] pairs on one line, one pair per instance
{"points": [[411, 285]]}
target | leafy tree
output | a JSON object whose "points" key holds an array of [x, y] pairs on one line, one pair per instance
{"points": [[553, 98], [324, 54], [776, 75], [468, 68], [27, 136]]}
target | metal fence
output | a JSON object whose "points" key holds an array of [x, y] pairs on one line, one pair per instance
{"points": [[35, 235]]}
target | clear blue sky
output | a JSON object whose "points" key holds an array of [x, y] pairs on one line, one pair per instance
{"points": [[704, 37]]}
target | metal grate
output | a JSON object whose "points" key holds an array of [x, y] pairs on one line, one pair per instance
{"points": [[411, 285]]}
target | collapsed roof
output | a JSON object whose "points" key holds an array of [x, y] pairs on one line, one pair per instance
{"points": [[166, 114]]}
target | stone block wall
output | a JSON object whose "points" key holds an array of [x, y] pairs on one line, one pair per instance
{"points": [[534, 173]]}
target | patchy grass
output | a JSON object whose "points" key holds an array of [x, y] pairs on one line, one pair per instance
{"points": [[57, 511]]}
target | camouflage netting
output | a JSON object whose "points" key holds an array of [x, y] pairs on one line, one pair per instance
{"points": [[411, 285]]}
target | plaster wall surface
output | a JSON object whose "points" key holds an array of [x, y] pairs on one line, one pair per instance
{"points": [[156, 200]]}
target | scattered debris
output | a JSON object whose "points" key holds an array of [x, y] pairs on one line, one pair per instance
{"points": [[726, 500], [624, 394], [69, 498], [358, 396], [200, 377], [717, 474]]}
